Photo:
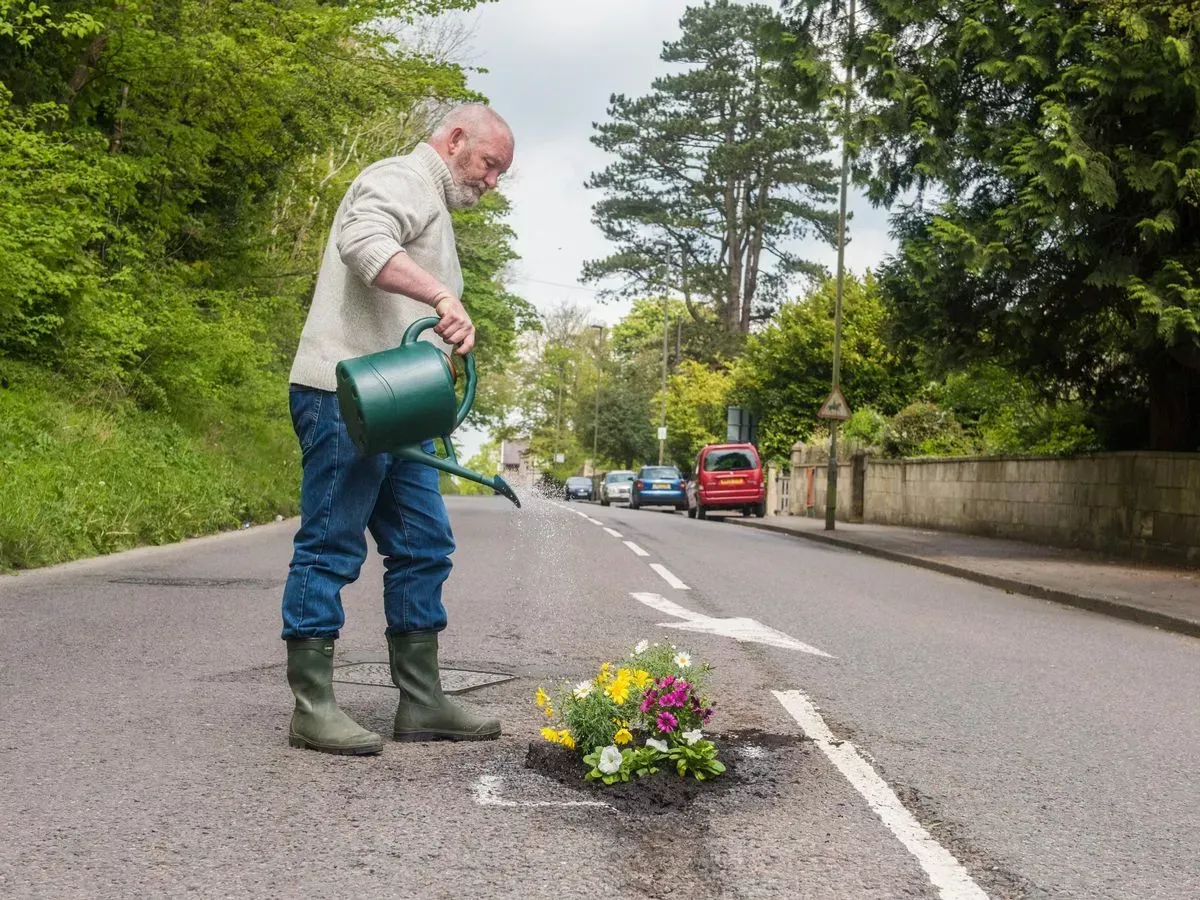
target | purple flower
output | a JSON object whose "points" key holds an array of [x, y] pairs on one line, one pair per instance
{"points": [[667, 722], [667, 681]]}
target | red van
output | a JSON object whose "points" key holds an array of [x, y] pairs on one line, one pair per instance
{"points": [[728, 476]]}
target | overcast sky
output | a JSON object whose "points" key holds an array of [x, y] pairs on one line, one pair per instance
{"points": [[552, 66]]}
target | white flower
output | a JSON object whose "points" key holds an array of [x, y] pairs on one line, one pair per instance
{"points": [[610, 760], [660, 746], [582, 690], [682, 660], [692, 736], [642, 647]]}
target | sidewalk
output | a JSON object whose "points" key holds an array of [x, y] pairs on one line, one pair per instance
{"points": [[1168, 598]]}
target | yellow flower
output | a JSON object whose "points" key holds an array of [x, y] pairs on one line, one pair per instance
{"points": [[624, 736], [541, 697], [549, 711], [564, 738], [618, 691], [550, 734], [605, 674], [624, 675], [642, 679]]}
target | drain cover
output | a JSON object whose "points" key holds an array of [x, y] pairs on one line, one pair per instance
{"points": [[454, 681]]}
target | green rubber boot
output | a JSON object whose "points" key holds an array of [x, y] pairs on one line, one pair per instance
{"points": [[317, 723], [424, 712]]}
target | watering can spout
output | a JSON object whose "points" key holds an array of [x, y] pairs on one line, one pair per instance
{"points": [[450, 464]]}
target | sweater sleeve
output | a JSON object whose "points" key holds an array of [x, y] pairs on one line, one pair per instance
{"points": [[389, 206]]}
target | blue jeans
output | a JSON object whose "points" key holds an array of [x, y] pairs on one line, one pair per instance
{"points": [[342, 495]]}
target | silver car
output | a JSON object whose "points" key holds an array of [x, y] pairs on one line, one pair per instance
{"points": [[615, 487]]}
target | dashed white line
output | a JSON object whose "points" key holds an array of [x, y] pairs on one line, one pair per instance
{"points": [[595, 521], [636, 549], [615, 534], [945, 872], [669, 577]]}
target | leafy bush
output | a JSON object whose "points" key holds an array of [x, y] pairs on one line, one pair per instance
{"points": [[925, 429], [866, 426]]}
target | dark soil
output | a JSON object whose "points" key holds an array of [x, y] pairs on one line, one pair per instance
{"points": [[664, 792]]}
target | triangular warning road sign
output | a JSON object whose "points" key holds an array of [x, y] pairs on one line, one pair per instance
{"points": [[835, 407]]}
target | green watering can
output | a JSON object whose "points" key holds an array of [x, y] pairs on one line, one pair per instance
{"points": [[395, 400]]}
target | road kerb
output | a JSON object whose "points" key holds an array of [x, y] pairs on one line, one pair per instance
{"points": [[1102, 605]]}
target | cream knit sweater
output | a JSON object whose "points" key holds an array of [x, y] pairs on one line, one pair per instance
{"points": [[397, 205]]}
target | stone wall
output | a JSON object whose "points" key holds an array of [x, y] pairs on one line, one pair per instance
{"points": [[1143, 505]]}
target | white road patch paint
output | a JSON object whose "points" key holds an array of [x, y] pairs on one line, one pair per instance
{"points": [[487, 793], [636, 549], [669, 577], [743, 630], [615, 534], [945, 872]]}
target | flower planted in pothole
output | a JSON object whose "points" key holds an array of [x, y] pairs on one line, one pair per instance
{"points": [[637, 719]]}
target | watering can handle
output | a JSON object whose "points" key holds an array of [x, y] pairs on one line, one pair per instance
{"points": [[413, 332]]}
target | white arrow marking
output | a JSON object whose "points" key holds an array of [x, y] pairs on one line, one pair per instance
{"points": [[743, 630], [945, 872], [487, 793]]}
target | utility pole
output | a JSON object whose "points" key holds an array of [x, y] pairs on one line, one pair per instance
{"points": [[662, 442], [831, 485]]}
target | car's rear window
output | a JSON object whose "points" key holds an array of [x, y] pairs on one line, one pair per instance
{"points": [[579, 481], [659, 472], [612, 477], [729, 461]]}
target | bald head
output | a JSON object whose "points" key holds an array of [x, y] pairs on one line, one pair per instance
{"points": [[477, 146]]}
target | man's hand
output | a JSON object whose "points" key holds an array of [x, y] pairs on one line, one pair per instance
{"points": [[455, 326]]}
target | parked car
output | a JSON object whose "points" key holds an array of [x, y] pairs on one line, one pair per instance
{"points": [[728, 476], [578, 487], [616, 486], [658, 486]]}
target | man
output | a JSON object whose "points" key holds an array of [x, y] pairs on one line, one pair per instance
{"points": [[390, 260]]}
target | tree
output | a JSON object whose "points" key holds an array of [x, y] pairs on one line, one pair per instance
{"points": [[786, 371], [1053, 153], [696, 410], [719, 168]]}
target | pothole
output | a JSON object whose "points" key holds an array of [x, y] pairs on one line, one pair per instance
{"points": [[754, 761], [454, 681]]}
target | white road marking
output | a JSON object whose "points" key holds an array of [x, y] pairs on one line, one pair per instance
{"points": [[595, 521], [636, 549], [669, 577], [663, 605], [743, 630], [945, 872], [615, 534], [487, 793]]}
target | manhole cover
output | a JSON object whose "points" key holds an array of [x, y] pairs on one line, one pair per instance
{"points": [[454, 681]]}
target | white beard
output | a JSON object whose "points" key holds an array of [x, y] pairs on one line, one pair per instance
{"points": [[462, 196]]}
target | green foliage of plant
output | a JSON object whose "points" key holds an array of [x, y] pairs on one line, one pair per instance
{"points": [[866, 426], [786, 371], [1052, 151], [168, 173], [698, 760], [925, 429], [719, 167], [83, 479], [697, 403]]}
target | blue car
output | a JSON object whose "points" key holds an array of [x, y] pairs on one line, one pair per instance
{"points": [[659, 486]]}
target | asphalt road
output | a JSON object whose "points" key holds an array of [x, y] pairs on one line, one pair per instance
{"points": [[143, 715]]}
